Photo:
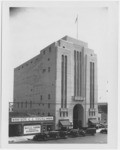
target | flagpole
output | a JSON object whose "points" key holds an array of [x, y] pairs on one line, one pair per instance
{"points": [[77, 26], [76, 21]]}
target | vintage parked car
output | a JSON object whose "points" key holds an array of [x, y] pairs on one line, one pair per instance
{"points": [[40, 136], [54, 134], [74, 132], [104, 131], [81, 132], [63, 134], [90, 131], [99, 126]]}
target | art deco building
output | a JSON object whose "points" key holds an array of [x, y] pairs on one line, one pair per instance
{"points": [[61, 81]]}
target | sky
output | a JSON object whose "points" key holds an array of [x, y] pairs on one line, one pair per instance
{"points": [[33, 28]]}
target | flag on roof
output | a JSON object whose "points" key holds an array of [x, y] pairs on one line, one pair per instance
{"points": [[76, 19]]}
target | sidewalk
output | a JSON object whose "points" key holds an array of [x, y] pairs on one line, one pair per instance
{"points": [[20, 138]]}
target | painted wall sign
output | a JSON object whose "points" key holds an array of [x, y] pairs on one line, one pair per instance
{"points": [[31, 119], [32, 129]]}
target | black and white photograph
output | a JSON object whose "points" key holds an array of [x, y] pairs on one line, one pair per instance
{"points": [[59, 74]]}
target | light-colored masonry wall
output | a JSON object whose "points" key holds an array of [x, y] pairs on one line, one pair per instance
{"points": [[90, 57], [66, 46], [37, 83], [34, 81]]}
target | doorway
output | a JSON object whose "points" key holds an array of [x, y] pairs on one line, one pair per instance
{"points": [[78, 116]]}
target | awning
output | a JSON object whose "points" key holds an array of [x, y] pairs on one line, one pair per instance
{"points": [[65, 123], [93, 121]]}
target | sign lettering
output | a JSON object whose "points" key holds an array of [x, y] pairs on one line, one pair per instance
{"points": [[31, 119]]}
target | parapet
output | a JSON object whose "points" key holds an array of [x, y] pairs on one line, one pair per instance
{"points": [[75, 41]]}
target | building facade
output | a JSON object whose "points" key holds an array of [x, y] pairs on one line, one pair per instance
{"points": [[61, 81]]}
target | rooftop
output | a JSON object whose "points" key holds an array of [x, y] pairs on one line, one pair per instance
{"points": [[65, 38], [75, 41]]}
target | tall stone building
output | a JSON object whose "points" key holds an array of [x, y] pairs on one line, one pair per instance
{"points": [[61, 81]]}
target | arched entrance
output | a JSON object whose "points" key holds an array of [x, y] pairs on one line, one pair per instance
{"points": [[78, 113]]}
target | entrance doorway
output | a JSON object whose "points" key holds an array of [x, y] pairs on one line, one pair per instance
{"points": [[78, 116]]}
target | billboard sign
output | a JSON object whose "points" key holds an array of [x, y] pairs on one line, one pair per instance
{"points": [[31, 129]]}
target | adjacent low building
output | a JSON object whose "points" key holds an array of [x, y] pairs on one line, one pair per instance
{"points": [[24, 124], [61, 82], [103, 112]]}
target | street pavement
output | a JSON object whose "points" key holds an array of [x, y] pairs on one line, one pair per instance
{"points": [[98, 138]]}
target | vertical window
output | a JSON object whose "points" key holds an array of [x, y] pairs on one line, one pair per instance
{"points": [[48, 96], [49, 49], [77, 73], [66, 114], [44, 52], [48, 69], [90, 113], [62, 80], [60, 114], [91, 85], [65, 81], [48, 114], [48, 105], [44, 70], [30, 104], [40, 97], [63, 114], [26, 104], [21, 104], [80, 75], [18, 104], [74, 73]]}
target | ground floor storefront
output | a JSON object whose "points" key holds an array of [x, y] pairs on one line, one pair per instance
{"points": [[21, 126]]}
